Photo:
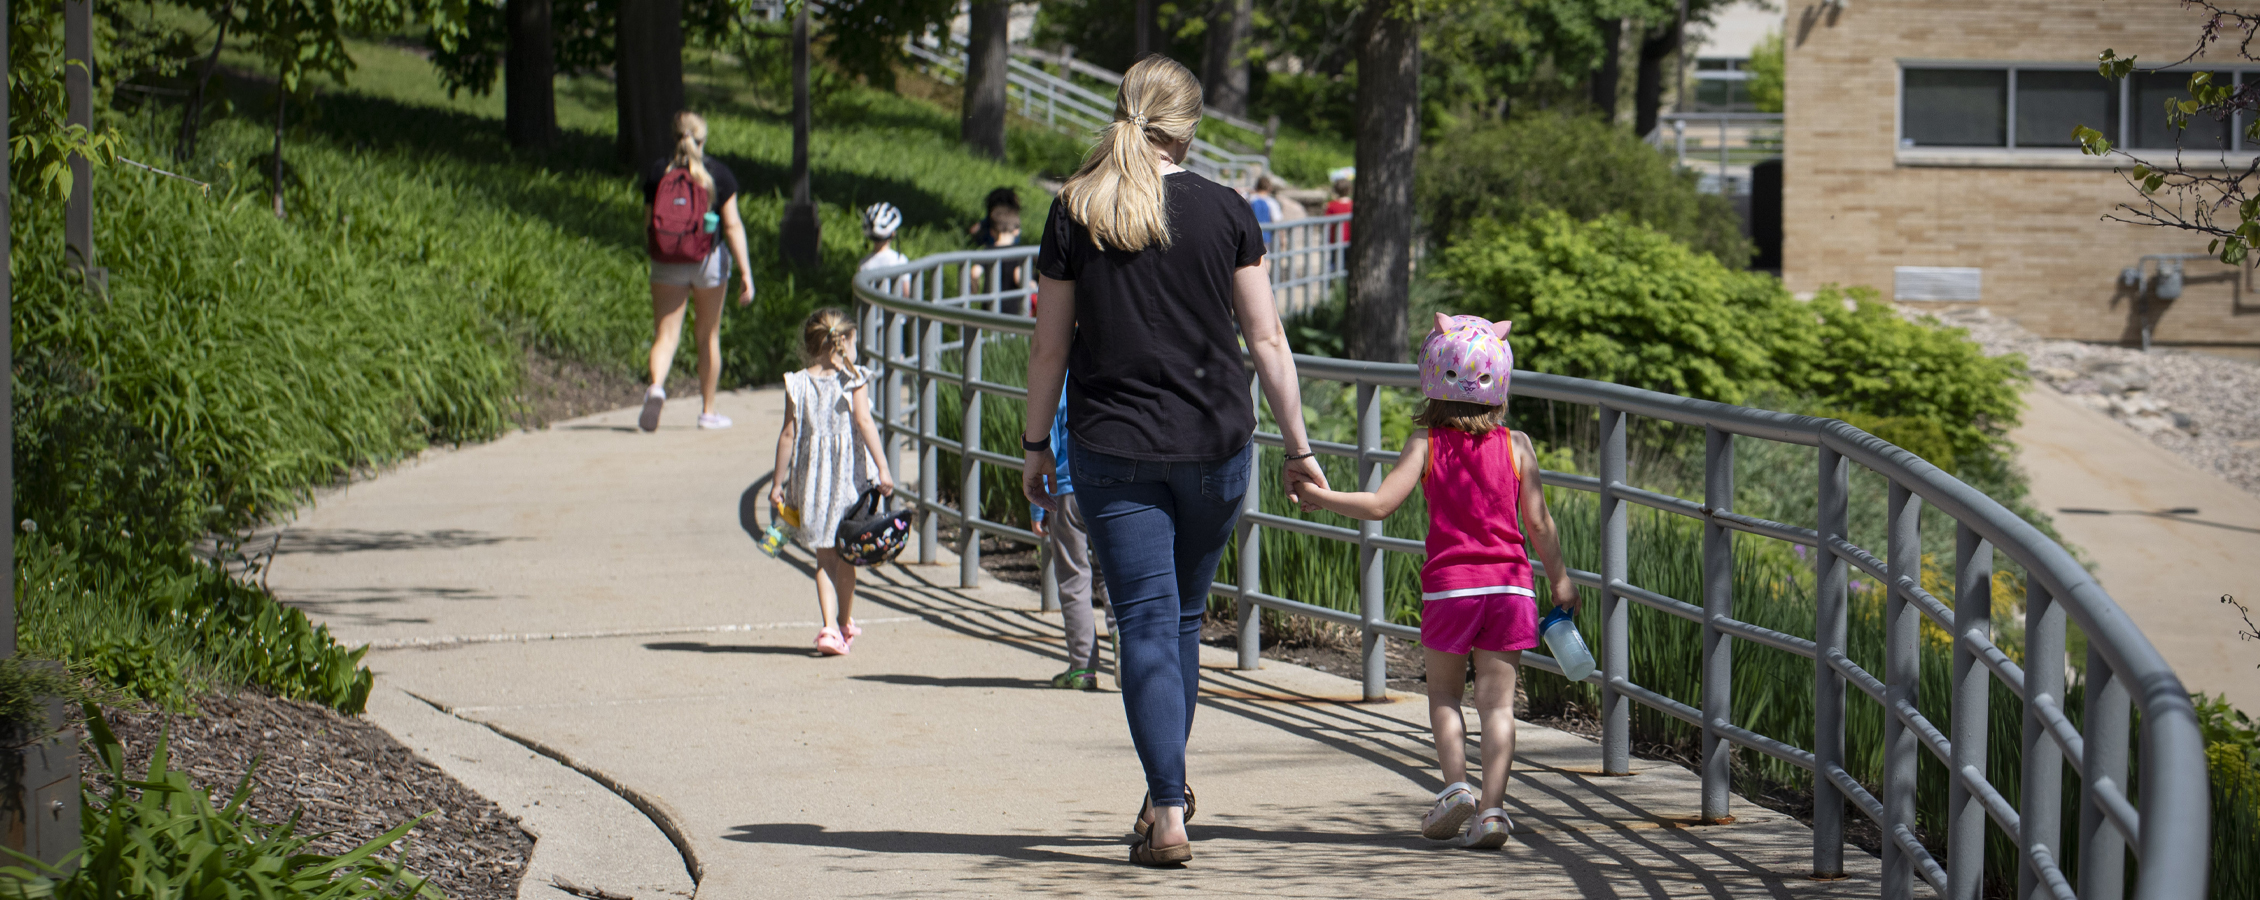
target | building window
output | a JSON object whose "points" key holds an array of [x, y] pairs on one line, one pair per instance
{"points": [[2151, 128], [2037, 107], [1956, 108], [1722, 84], [2052, 103]]}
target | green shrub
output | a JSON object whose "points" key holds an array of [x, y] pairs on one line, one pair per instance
{"points": [[160, 837], [1579, 165], [1615, 301]]}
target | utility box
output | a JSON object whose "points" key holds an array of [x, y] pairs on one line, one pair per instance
{"points": [[39, 788]]}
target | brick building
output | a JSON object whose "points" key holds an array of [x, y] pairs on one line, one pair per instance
{"points": [[1929, 155]]}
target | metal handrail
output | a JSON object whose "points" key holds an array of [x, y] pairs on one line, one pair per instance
{"points": [[2164, 822], [1074, 109]]}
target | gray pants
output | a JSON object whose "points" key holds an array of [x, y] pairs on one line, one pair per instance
{"points": [[1079, 582]]}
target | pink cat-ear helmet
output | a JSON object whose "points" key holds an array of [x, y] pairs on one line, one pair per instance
{"points": [[1466, 358]]}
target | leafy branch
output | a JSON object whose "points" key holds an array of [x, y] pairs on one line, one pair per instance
{"points": [[2215, 200]]}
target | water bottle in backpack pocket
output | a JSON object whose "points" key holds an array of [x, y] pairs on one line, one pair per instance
{"points": [[1565, 644]]}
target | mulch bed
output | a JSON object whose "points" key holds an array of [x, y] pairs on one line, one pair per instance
{"points": [[343, 775]]}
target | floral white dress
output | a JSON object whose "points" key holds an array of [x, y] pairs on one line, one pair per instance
{"points": [[830, 470]]}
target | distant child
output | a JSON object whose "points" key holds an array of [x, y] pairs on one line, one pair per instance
{"points": [[827, 456], [1476, 589], [1068, 541], [1000, 228], [1345, 181], [880, 222]]}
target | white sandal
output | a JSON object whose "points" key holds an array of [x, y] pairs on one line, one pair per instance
{"points": [[1485, 834], [1453, 805]]}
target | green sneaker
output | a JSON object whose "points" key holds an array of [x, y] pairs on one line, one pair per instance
{"points": [[1076, 680]]}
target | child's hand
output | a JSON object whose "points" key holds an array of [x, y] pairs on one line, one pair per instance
{"points": [[886, 484], [776, 494], [1566, 595], [1037, 526]]}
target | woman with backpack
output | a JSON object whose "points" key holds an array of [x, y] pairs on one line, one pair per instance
{"points": [[692, 230]]}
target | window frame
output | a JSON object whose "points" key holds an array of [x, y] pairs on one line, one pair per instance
{"points": [[2118, 132]]}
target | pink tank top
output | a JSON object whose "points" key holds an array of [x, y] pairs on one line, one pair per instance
{"points": [[1474, 532]]}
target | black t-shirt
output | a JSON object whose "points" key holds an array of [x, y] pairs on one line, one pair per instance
{"points": [[984, 237], [1155, 372], [725, 183]]}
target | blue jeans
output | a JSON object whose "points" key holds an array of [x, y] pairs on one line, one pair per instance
{"points": [[1158, 529]]}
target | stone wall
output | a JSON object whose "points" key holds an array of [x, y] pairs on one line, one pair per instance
{"points": [[1855, 205]]}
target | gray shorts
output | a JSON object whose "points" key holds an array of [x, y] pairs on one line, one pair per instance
{"points": [[712, 273]]}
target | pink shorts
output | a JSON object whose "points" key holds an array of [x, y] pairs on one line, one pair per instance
{"points": [[1501, 623]]}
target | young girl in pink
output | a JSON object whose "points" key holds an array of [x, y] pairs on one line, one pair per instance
{"points": [[1476, 589]]}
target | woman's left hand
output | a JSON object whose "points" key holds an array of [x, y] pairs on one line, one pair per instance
{"points": [[745, 289], [1303, 471]]}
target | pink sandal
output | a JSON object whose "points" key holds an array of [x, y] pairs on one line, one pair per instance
{"points": [[850, 633], [828, 642]]}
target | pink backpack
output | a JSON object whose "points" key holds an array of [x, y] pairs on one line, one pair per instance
{"points": [[677, 231]]}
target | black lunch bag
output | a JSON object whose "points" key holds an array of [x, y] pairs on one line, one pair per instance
{"points": [[871, 533]]}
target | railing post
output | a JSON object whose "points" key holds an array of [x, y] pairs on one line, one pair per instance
{"points": [[929, 456], [969, 492], [1902, 676], [2104, 731], [1371, 571], [1718, 603], [1250, 581], [1965, 816], [1616, 618], [894, 354], [1830, 583], [2043, 793]]}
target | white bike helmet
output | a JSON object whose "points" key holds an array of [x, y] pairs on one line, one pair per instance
{"points": [[881, 219]]}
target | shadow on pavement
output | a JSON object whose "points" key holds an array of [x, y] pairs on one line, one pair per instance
{"points": [[1022, 847], [703, 647], [932, 681], [355, 540]]}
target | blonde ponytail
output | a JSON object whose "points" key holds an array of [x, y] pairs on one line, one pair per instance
{"points": [[690, 148], [1118, 192]]}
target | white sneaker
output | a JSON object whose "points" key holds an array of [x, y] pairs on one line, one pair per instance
{"points": [[713, 420], [654, 400], [1487, 831], [1453, 805]]}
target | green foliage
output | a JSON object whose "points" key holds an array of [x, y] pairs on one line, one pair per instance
{"points": [[1869, 359], [160, 837], [26, 687], [1613, 301], [1919, 436], [40, 143], [1579, 165], [1766, 66]]}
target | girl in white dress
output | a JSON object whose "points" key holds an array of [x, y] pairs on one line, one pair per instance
{"points": [[827, 456]]}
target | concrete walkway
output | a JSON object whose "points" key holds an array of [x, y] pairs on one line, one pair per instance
{"points": [[2167, 571], [587, 597]]}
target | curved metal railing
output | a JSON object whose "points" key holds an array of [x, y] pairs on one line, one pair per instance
{"points": [[918, 315]]}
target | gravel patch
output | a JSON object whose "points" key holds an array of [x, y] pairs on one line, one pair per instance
{"points": [[342, 775], [2205, 409]]}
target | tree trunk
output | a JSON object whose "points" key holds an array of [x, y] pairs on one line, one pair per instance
{"points": [[648, 71], [800, 237], [1142, 30], [281, 96], [529, 102], [1611, 70], [1381, 224], [193, 111], [985, 55], [1657, 45], [1224, 66]]}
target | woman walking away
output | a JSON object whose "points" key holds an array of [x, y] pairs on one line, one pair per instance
{"points": [[827, 456], [1143, 272], [1476, 589], [693, 231]]}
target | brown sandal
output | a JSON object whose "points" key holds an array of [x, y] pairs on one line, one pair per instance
{"points": [[1144, 853], [1144, 826]]}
